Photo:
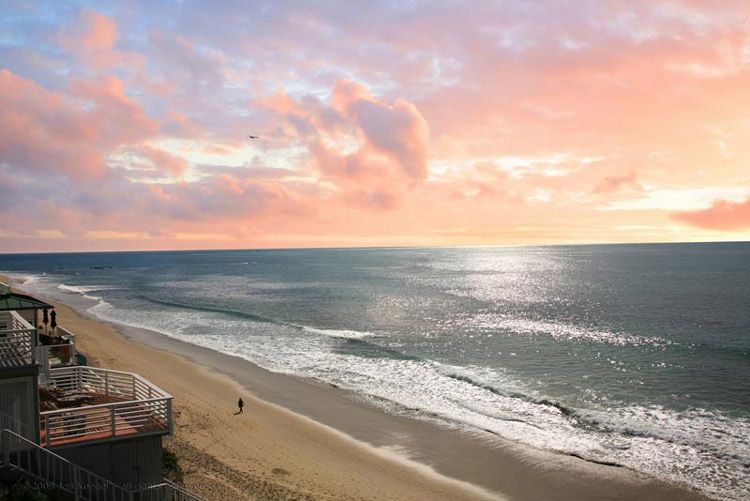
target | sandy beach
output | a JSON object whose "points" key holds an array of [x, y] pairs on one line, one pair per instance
{"points": [[302, 440]]}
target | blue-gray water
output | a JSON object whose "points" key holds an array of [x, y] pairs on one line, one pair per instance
{"points": [[632, 354]]}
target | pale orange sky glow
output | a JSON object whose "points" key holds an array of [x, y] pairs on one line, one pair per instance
{"points": [[125, 127]]}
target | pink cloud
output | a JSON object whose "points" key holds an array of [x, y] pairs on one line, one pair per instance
{"points": [[392, 130], [722, 215], [48, 130], [373, 200], [92, 32], [612, 184], [396, 129], [92, 40], [118, 118], [179, 124], [164, 161], [371, 148], [377, 123], [39, 130]]}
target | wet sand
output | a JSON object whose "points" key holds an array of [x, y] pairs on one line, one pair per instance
{"points": [[299, 439]]}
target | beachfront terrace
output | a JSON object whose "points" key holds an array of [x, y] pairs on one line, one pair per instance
{"points": [[58, 350], [85, 404], [17, 341]]}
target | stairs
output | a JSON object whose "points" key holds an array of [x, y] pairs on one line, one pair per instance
{"points": [[22, 457]]}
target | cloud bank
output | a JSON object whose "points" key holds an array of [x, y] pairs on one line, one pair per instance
{"points": [[378, 124]]}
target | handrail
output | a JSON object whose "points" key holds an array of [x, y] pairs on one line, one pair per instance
{"points": [[17, 341], [101, 406], [55, 471], [59, 373], [46, 466], [17, 347], [170, 491], [106, 421], [15, 425], [60, 353], [141, 407], [16, 321]]}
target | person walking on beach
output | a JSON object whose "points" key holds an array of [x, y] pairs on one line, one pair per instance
{"points": [[240, 404]]}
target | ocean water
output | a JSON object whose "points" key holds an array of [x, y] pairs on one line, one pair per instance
{"points": [[637, 355]]}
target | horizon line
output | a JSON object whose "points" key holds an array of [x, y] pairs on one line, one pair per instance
{"points": [[377, 247]]}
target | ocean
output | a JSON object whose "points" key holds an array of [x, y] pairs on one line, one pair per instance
{"points": [[637, 355]]}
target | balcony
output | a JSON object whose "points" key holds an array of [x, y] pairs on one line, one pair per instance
{"points": [[17, 340], [86, 404], [58, 350]]}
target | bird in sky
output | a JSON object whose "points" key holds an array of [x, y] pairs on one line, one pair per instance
{"points": [[252, 137]]}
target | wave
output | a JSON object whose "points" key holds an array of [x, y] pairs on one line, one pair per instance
{"points": [[663, 442], [561, 331], [31, 279], [333, 333], [339, 333], [23, 278], [567, 411], [85, 291], [650, 438], [366, 349], [213, 309]]}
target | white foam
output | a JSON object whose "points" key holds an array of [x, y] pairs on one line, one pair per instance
{"points": [[25, 279], [31, 280], [85, 290], [561, 331], [339, 333], [704, 449]]}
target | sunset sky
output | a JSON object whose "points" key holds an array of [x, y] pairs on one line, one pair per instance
{"points": [[124, 125]]}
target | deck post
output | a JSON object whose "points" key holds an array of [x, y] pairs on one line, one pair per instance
{"points": [[76, 484], [169, 415], [46, 430], [112, 418], [5, 447]]}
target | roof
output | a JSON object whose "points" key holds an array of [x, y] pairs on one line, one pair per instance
{"points": [[16, 301]]}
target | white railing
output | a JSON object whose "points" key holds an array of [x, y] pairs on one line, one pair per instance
{"points": [[16, 425], [52, 470], [136, 406], [12, 320], [63, 353], [167, 491], [17, 340], [55, 471]]}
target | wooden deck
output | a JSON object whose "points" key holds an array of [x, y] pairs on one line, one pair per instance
{"points": [[93, 422], [93, 404]]}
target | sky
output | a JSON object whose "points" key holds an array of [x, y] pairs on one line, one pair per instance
{"points": [[125, 125]]}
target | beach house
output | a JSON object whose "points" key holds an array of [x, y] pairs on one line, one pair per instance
{"points": [[95, 433]]}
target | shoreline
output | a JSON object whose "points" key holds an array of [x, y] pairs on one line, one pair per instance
{"points": [[343, 447]]}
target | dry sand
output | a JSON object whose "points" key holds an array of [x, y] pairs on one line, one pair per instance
{"points": [[270, 452]]}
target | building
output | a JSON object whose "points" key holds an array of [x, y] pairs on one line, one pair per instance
{"points": [[62, 421]]}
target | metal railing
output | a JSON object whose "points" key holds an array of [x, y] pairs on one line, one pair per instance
{"points": [[17, 340], [63, 353], [136, 406], [57, 472], [167, 491], [15, 425]]}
